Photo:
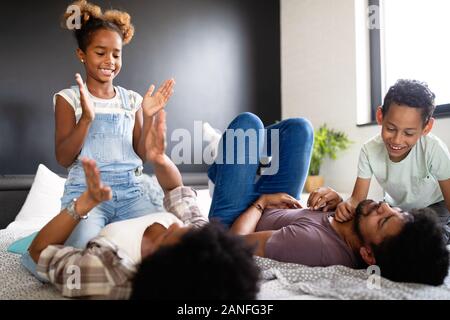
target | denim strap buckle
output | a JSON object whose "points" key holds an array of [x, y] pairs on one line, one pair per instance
{"points": [[138, 171]]}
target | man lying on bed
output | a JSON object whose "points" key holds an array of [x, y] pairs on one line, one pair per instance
{"points": [[408, 247], [193, 261]]}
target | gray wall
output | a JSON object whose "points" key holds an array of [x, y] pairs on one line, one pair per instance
{"points": [[224, 54]]}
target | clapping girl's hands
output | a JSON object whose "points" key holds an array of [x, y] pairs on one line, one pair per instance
{"points": [[153, 103], [86, 103]]}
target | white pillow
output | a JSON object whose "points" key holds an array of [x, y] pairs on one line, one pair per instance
{"points": [[42, 203], [204, 201]]}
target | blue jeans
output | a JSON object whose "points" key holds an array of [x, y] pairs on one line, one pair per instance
{"points": [[239, 183]]}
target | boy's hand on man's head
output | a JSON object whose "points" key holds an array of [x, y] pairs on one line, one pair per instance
{"points": [[345, 211]]}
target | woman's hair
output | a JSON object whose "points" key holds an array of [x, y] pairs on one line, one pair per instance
{"points": [[207, 264], [93, 19]]}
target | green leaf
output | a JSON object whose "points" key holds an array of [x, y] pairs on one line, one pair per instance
{"points": [[327, 143]]}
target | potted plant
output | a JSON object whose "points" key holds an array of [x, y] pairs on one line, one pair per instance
{"points": [[327, 143]]}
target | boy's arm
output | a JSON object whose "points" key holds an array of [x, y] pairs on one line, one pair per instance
{"points": [[360, 190], [445, 188], [58, 230], [166, 172], [345, 210]]}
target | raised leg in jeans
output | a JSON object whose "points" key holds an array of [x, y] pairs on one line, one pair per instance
{"points": [[238, 185], [235, 182]]}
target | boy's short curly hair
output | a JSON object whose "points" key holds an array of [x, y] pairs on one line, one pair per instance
{"points": [[417, 254], [411, 93], [93, 19], [207, 264]]}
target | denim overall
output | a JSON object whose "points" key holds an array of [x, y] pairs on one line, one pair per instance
{"points": [[110, 143]]}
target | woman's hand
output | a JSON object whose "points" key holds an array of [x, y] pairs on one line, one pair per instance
{"points": [[58, 230], [278, 201], [87, 106], [155, 141], [96, 191], [153, 103], [324, 199]]}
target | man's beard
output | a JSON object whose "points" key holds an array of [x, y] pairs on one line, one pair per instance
{"points": [[359, 213]]}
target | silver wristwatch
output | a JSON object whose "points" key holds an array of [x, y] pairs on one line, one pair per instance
{"points": [[72, 212]]}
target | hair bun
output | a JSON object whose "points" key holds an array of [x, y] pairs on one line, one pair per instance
{"points": [[87, 11], [92, 18], [123, 21]]}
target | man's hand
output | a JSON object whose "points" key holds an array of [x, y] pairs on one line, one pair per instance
{"points": [[278, 201], [85, 101], [155, 141], [153, 103], [345, 211], [324, 198], [96, 191]]}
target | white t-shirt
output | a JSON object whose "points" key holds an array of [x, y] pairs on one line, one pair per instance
{"points": [[412, 182], [127, 234], [108, 106]]}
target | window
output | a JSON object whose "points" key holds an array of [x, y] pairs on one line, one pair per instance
{"points": [[409, 40]]}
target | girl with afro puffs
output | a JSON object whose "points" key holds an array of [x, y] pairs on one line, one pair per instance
{"points": [[107, 123]]}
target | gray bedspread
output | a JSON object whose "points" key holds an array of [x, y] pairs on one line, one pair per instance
{"points": [[280, 281], [16, 283], [288, 281]]}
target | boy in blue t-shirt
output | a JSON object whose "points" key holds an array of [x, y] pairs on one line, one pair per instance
{"points": [[411, 165]]}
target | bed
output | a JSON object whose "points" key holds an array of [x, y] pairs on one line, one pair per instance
{"points": [[19, 216]]}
